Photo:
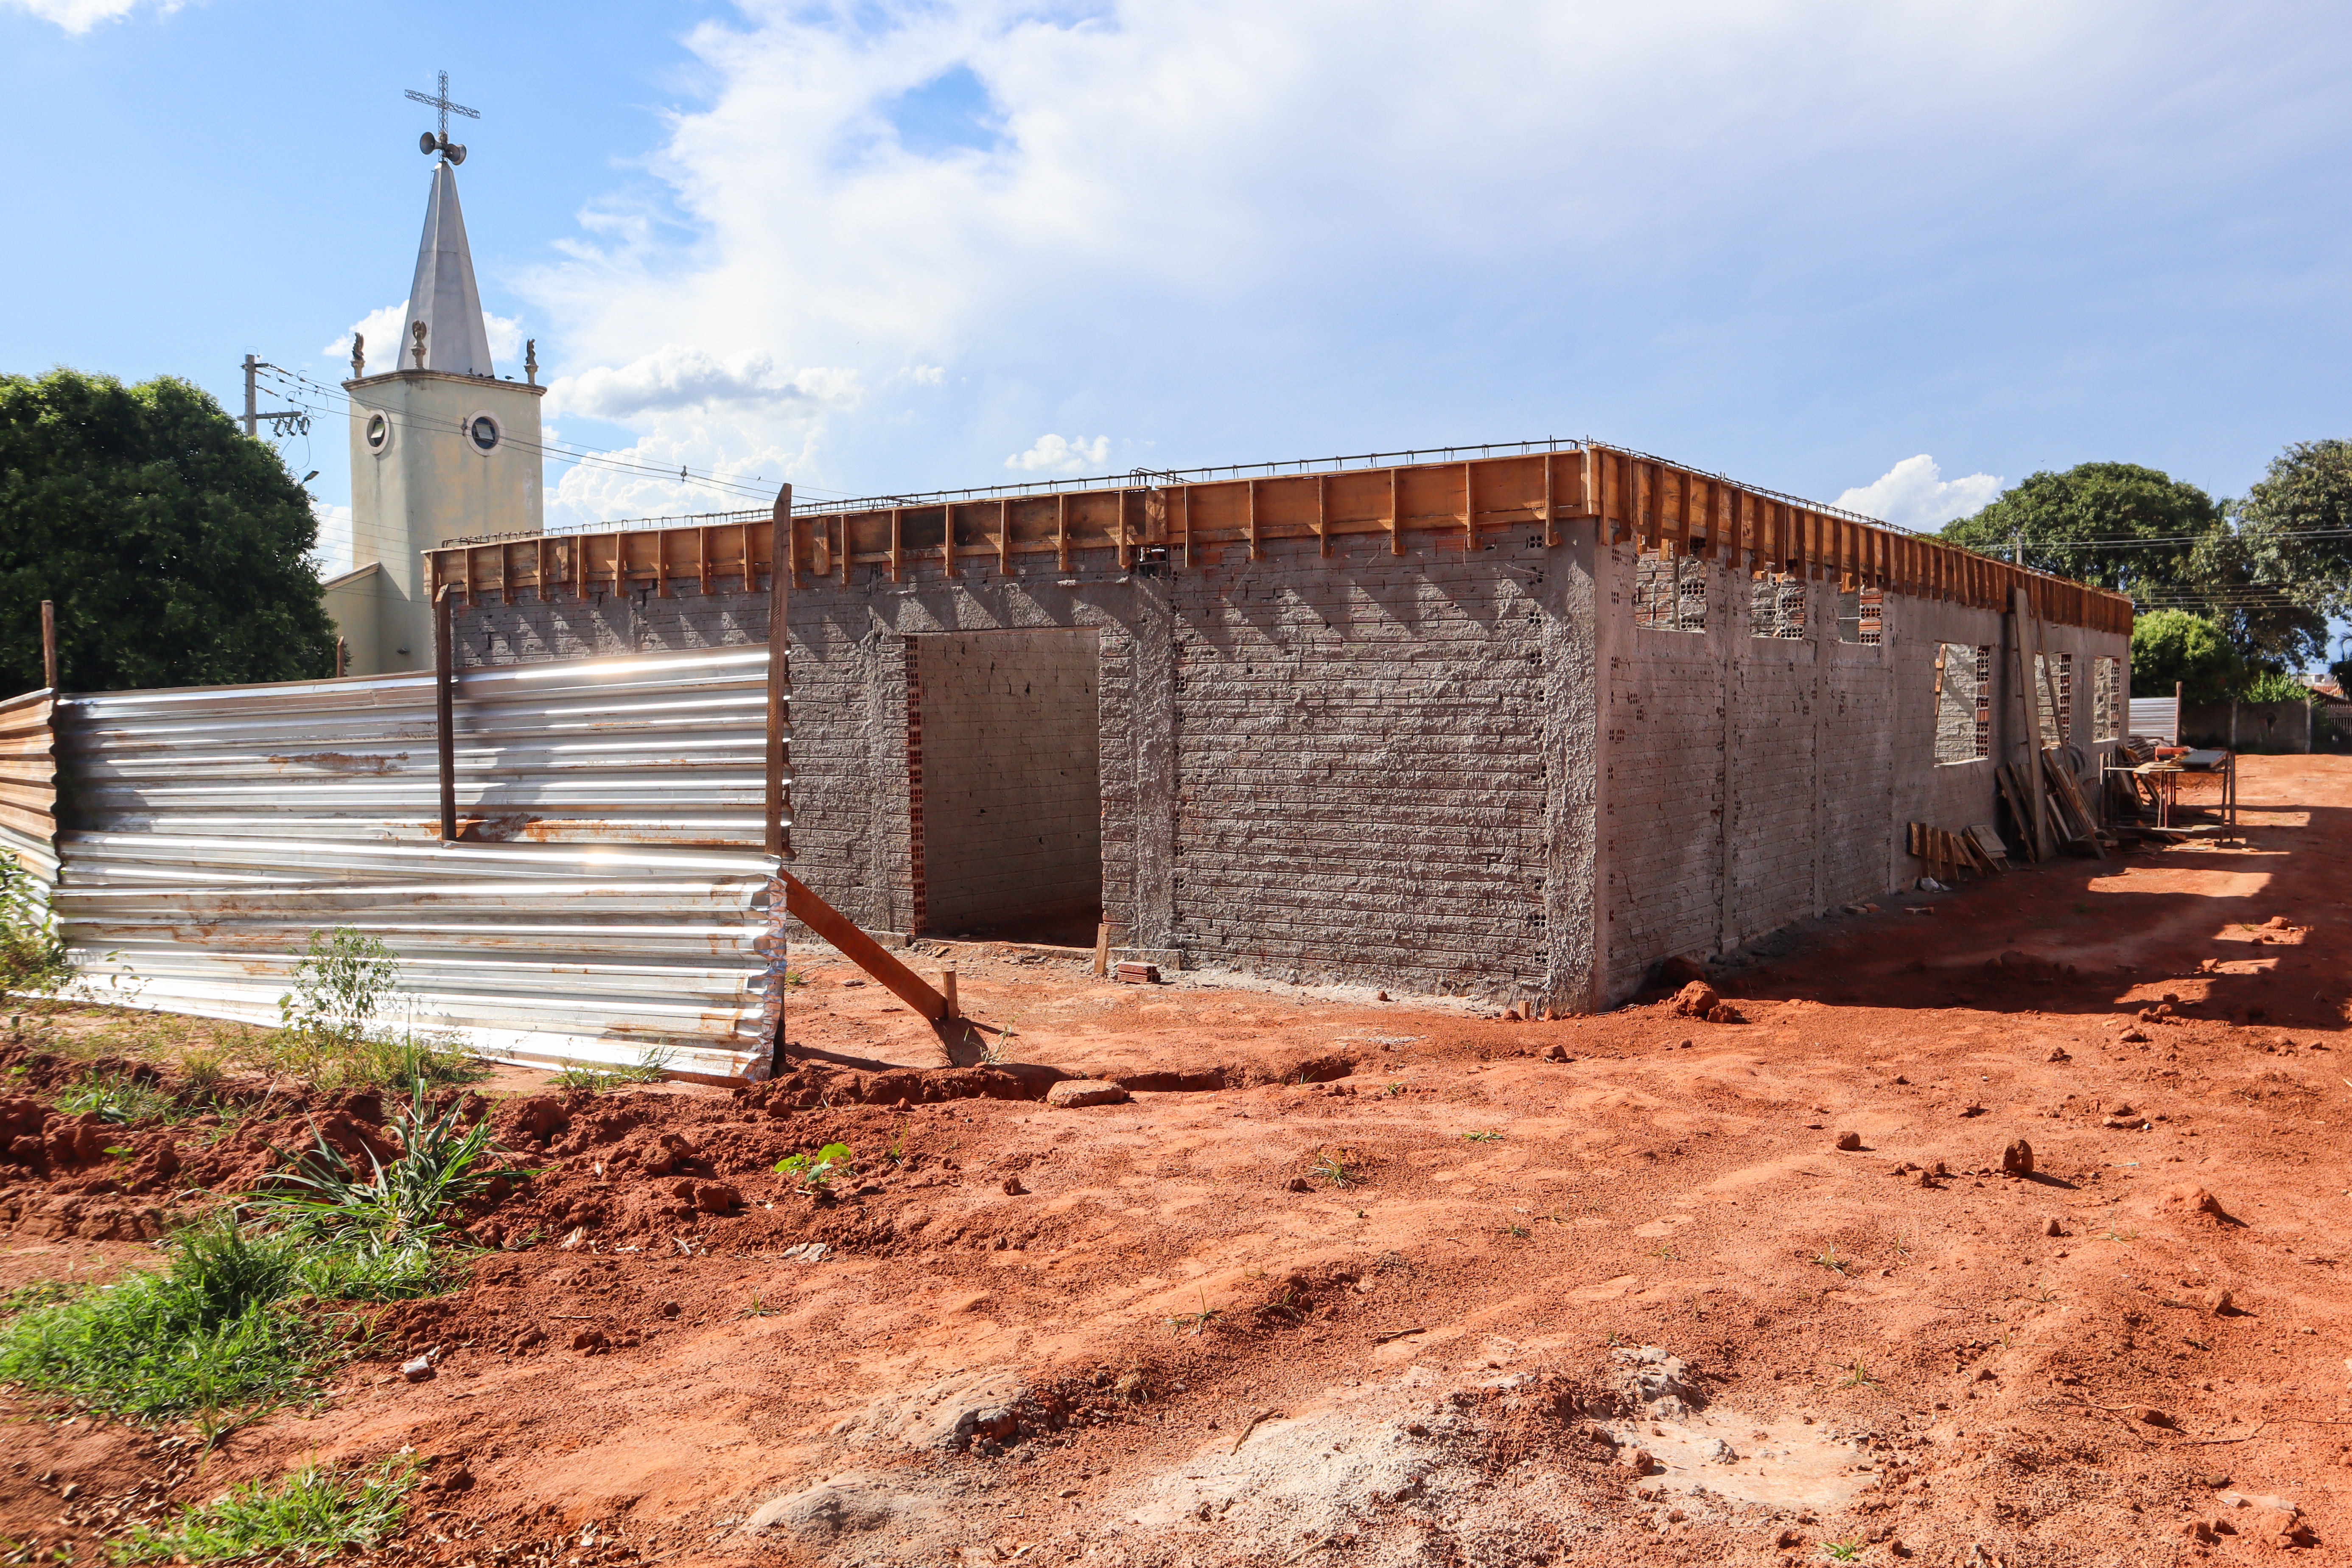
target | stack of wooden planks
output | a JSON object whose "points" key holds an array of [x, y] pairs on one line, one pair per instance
{"points": [[2066, 820], [1946, 855]]}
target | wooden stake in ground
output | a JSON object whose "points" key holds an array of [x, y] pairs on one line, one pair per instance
{"points": [[444, 716], [2021, 622], [49, 644], [1102, 947]]}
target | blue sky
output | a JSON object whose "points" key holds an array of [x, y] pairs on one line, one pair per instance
{"points": [[1899, 253]]}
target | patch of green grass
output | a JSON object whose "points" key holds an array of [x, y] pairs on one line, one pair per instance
{"points": [[334, 1064], [119, 1099], [222, 1327], [757, 1307], [1858, 1375], [1482, 1137], [313, 1513], [39, 1293], [1843, 1551], [1828, 1259], [1665, 1253], [651, 1065], [200, 1336]]}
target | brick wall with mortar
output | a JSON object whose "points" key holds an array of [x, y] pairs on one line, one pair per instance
{"points": [[1751, 782], [1011, 799], [1372, 768], [1369, 768]]}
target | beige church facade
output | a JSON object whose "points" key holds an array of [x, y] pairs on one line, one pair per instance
{"points": [[442, 448]]}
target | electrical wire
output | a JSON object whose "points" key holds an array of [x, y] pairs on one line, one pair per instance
{"points": [[305, 393]]}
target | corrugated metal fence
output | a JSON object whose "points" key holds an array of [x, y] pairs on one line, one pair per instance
{"points": [[2157, 717], [608, 894]]}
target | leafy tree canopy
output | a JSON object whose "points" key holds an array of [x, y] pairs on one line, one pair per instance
{"points": [[2116, 524], [2171, 645], [2291, 566], [2247, 567], [175, 546]]}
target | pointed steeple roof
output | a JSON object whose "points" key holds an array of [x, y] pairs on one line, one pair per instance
{"points": [[443, 296]]}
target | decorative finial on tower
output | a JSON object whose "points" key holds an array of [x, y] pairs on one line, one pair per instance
{"points": [[359, 356], [416, 331], [530, 361], [429, 143]]}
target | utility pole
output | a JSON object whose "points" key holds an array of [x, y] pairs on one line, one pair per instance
{"points": [[253, 417]]}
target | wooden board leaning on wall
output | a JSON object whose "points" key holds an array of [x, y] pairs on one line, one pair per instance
{"points": [[1652, 504]]}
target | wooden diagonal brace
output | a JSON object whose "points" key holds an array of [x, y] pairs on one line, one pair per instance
{"points": [[862, 950]]}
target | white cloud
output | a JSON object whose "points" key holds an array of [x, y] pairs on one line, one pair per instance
{"points": [[386, 331], [332, 554], [1052, 454], [1913, 494], [678, 377], [1265, 198], [927, 374], [642, 480], [81, 15], [505, 333]]}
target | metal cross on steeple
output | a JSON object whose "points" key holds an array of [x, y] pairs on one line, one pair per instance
{"points": [[441, 101]]}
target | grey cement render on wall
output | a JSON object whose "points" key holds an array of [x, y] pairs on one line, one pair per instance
{"points": [[1435, 772], [1752, 782], [1012, 788]]}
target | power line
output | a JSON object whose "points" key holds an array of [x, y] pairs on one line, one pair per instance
{"points": [[307, 393]]}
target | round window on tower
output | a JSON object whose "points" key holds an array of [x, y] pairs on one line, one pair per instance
{"points": [[377, 433], [483, 433]]}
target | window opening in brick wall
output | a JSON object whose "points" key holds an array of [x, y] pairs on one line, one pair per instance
{"points": [[1011, 790], [2106, 698], [1862, 616], [1775, 606], [1963, 687], [1670, 594], [2057, 726]]}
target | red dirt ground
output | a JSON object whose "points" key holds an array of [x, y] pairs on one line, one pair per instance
{"points": [[1636, 1305]]}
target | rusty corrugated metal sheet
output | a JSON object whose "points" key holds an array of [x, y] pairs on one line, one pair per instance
{"points": [[609, 892], [28, 783]]}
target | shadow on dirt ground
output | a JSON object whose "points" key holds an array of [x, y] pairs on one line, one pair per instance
{"points": [[2205, 924]]}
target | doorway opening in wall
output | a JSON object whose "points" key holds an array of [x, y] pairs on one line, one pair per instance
{"points": [[1006, 754]]}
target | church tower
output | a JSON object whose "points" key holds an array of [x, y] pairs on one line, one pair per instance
{"points": [[442, 448]]}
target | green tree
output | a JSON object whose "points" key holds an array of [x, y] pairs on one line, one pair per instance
{"points": [[175, 546], [2171, 645], [2293, 546], [2116, 524]]}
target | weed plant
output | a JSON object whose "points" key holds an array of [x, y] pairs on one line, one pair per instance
{"points": [[385, 1236], [815, 1174], [333, 1064], [313, 1513], [330, 1036], [32, 953], [651, 1067], [120, 1099]]}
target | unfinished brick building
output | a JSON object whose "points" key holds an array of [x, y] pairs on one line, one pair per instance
{"points": [[1524, 719]]}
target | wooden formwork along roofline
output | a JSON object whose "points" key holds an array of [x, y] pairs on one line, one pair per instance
{"points": [[1653, 504]]}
